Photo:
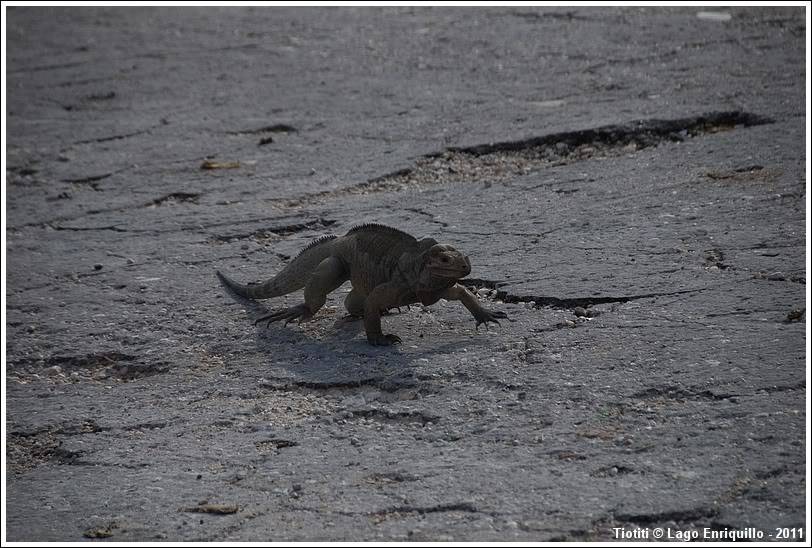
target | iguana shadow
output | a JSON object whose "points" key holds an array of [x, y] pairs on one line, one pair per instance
{"points": [[342, 357]]}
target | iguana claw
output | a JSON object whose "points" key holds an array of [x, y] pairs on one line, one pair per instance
{"points": [[489, 316], [300, 312], [379, 339]]}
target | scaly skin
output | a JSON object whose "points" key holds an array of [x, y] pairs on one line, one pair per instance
{"points": [[387, 268]]}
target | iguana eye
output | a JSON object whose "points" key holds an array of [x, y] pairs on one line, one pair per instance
{"points": [[444, 259]]}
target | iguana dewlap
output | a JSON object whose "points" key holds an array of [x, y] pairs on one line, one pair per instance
{"points": [[387, 268]]}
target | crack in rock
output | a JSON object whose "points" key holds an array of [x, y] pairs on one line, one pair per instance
{"points": [[173, 198], [116, 137], [642, 133], [112, 228], [557, 302], [398, 511], [497, 162], [273, 445], [89, 179], [275, 128], [384, 478], [677, 393], [387, 415], [265, 234], [384, 384], [102, 365]]}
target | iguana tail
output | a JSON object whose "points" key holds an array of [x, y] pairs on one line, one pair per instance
{"points": [[293, 277]]}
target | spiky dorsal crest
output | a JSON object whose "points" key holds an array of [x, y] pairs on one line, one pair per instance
{"points": [[375, 227], [318, 241]]}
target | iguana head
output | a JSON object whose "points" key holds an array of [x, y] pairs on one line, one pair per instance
{"points": [[443, 261]]}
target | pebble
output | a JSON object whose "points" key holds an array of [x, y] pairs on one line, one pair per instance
{"points": [[353, 401], [53, 370], [98, 375], [720, 16], [580, 311], [569, 323]]}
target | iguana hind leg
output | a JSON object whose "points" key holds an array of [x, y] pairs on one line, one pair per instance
{"points": [[327, 277], [354, 302]]}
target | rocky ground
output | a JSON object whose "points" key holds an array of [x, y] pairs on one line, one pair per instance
{"points": [[628, 182]]}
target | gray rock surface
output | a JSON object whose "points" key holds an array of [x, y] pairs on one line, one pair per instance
{"points": [[652, 373]]}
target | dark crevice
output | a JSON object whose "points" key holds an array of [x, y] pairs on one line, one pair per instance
{"points": [[557, 15], [431, 217], [381, 383], [274, 444], [611, 471], [390, 477], [175, 197], [693, 394], [89, 179], [93, 180], [46, 67], [677, 393], [122, 366], [115, 137], [386, 415], [171, 198], [275, 128], [556, 302], [501, 161], [641, 133], [83, 228], [780, 277], [110, 138], [101, 96], [265, 234], [450, 507], [149, 425], [74, 461]]}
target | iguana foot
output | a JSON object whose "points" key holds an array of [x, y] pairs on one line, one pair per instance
{"points": [[379, 339], [300, 312], [484, 316]]}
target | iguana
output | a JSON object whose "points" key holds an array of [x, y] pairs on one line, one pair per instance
{"points": [[387, 267]]}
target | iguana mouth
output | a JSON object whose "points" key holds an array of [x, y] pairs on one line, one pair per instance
{"points": [[449, 272]]}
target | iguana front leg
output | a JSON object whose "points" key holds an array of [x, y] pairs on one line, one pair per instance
{"points": [[381, 299], [469, 300]]}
